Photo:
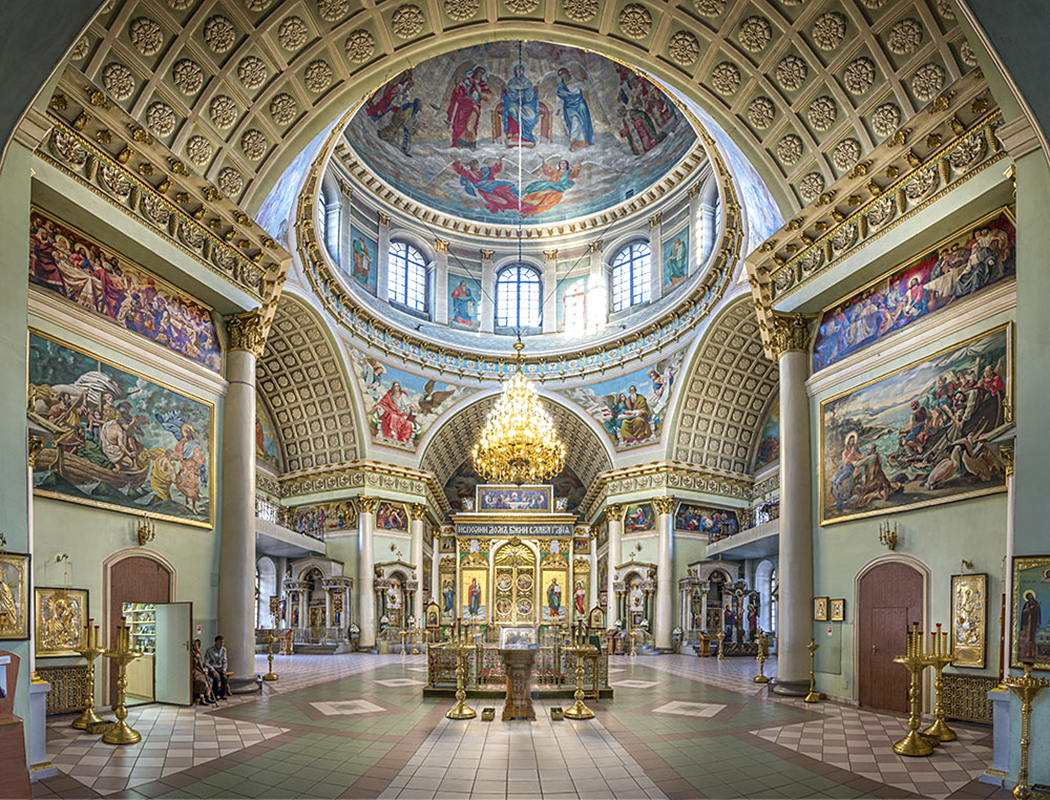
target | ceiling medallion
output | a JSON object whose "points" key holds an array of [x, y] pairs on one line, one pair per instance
{"points": [[635, 21]]}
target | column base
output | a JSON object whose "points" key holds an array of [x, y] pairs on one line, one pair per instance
{"points": [[245, 685], [790, 688]]}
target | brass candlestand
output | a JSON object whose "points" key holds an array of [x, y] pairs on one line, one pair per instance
{"points": [[271, 675], [914, 660], [634, 652], [89, 652], [460, 647], [814, 695], [1026, 688], [417, 634], [578, 710], [761, 658], [939, 658], [720, 636], [122, 655]]}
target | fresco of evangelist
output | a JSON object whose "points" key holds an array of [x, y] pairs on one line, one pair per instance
{"points": [[590, 132]]}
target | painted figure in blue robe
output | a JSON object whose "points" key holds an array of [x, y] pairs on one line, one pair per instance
{"points": [[575, 111], [448, 594], [474, 598], [463, 305], [521, 109]]}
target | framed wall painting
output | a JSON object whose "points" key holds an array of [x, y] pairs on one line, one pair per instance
{"points": [[60, 615], [917, 436], [820, 609], [837, 609], [1030, 637], [514, 498], [14, 596], [969, 620]]}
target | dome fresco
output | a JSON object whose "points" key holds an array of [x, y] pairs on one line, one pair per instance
{"points": [[590, 133]]}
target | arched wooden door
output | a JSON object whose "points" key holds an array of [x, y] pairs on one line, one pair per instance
{"points": [[889, 601], [134, 580]]}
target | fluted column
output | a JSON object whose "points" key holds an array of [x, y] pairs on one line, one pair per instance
{"points": [[695, 231], [366, 599], [664, 571], [488, 292], [1006, 453], [383, 257], [795, 570], [592, 593], [550, 291], [597, 290], [247, 339], [614, 519], [656, 262], [439, 281], [418, 513]]}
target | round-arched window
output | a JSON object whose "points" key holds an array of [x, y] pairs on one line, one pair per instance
{"points": [[519, 291], [631, 268], [407, 276]]}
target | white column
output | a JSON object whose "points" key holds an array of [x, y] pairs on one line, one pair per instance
{"points": [[708, 226], [439, 282], [592, 594], [550, 291], [664, 571], [278, 589], [435, 568], [328, 617], [656, 263], [383, 256], [237, 538], [418, 513], [696, 236], [488, 292], [614, 519], [597, 290], [366, 618], [795, 571], [1006, 453]]}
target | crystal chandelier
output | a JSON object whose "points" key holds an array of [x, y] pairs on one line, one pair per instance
{"points": [[519, 443]]}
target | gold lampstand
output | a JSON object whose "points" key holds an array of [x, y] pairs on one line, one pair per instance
{"points": [[270, 675], [720, 636], [89, 652], [460, 647], [1026, 688], [761, 658], [814, 695], [914, 660], [939, 658], [122, 655], [578, 710], [417, 634]]}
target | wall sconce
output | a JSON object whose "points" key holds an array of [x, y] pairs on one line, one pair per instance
{"points": [[147, 532], [889, 536], [967, 564]]}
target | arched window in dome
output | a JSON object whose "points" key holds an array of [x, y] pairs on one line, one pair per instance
{"points": [[519, 290], [328, 223], [407, 276], [631, 268]]}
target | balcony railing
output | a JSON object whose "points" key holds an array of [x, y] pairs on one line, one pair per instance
{"points": [[752, 518], [306, 523]]}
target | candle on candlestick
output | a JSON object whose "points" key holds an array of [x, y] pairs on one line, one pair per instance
{"points": [[95, 642]]}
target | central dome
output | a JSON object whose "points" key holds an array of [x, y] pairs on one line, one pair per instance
{"points": [[520, 130]]}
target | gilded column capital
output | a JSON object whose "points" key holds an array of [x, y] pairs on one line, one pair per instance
{"points": [[417, 511], [595, 247], [36, 444], [664, 505], [245, 332], [550, 255], [367, 504], [448, 530], [790, 333], [694, 191], [614, 511], [487, 255], [1006, 454], [656, 219], [441, 245]]}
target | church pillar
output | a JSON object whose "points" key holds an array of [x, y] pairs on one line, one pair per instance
{"points": [[304, 608], [597, 290], [329, 619], [237, 540], [656, 262], [365, 575], [418, 514], [488, 292], [614, 519], [439, 281], [795, 571], [664, 570], [592, 595], [383, 257], [695, 232], [278, 589], [1006, 453], [550, 291]]}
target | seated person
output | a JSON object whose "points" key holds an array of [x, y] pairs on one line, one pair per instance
{"points": [[215, 661], [202, 689]]}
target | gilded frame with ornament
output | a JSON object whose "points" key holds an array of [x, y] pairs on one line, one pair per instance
{"points": [[14, 594], [1031, 585], [837, 609], [45, 620], [969, 624], [820, 609]]}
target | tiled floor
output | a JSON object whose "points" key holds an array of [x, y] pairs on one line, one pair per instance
{"points": [[357, 726]]}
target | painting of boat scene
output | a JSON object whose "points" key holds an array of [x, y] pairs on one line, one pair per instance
{"points": [[970, 262], [119, 440], [918, 436]]}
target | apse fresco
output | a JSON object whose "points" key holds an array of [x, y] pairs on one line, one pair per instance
{"points": [[631, 409], [266, 448], [676, 257], [64, 261], [769, 442], [591, 133], [977, 258], [917, 436], [400, 406], [364, 263], [464, 302]]}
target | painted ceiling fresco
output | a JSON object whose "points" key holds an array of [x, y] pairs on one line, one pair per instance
{"points": [[590, 133]]}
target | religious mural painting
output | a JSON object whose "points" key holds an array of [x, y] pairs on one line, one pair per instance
{"points": [[555, 593], [1030, 639], [266, 448], [391, 517], [676, 257], [572, 304], [516, 498], [317, 519], [400, 406], [959, 267], [768, 449], [918, 436], [94, 277], [718, 522], [639, 518], [460, 487], [631, 409], [364, 259], [474, 588], [590, 133], [121, 441], [464, 302]]}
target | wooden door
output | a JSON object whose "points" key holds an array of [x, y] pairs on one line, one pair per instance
{"points": [[174, 682], [890, 600], [134, 580]]}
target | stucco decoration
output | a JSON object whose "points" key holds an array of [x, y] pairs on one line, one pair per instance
{"points": [[579, 10], [187, 76], [886, 119], [219, 33], [635, 21], [789, 150], [119, 81], [755, 34], [359, 46], [811, 187], [465, 9], [160, 117], [859, 75], [199, 150], [791, 72], [283, 108], [252, 72], [829, 30], [446, 133], [293, 33], [223, 111], [146, 35], [822, 113], [725, 78], [927, 81]]}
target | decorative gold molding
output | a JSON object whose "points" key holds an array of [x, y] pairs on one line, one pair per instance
{"points": [[614, 512], [487, 255], [595, 247], [790, 333], [417, 511], [1006, 455], [441, 245], [656, 219], [367, 503], [664, 505], [550, 255], [246, 332]]}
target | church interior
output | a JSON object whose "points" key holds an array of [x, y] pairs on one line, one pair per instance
{"points": [[524, 398]]}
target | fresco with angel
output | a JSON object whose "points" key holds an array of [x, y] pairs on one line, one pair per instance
{"points": [[529, 129]]}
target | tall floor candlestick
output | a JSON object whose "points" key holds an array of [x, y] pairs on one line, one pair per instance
{"points": [[89, 652], [122, 655]]}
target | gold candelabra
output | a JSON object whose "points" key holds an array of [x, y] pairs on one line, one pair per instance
{"points": [[270, 675], [634, 650], [720, 637], [939, 657], [889, 536], [122, 655], [915, 661], [814, 695], [89, 651], [761, 658], [460, 646], [578, 710], [1026, 688]]}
